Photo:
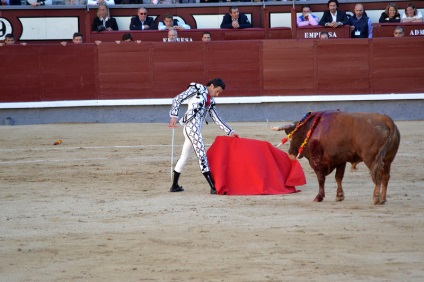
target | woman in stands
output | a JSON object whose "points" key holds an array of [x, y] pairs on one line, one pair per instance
{"points": [[390, 15], [103, 21], [412, 15]]}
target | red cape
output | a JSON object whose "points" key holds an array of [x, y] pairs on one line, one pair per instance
{"points": [[243, 166]]}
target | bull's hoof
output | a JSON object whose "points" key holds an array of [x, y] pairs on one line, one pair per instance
{"points": [[339, 198], [382, 202], [376, 200], [318, 199]]}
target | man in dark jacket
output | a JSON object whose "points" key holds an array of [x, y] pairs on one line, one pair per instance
{"points": [[10, 2], [360, 25], [234, 19], [333, 17], [142, 21]]}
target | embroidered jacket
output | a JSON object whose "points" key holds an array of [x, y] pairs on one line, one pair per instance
{"points": [[196, 97]]}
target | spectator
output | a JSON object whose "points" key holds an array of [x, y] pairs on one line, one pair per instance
{"points": [[206, 36], [170, 23], [412, 15], [77, 38], [98, 2], [36, 3], [390, 15], [10, 2], [172, 35], [235, 19], [103, 21], [333, 17], [9, 39], [126, 2], [142, 21], [399, 32], [127, 37], [360, 25], [307, 18], [324, 35]]}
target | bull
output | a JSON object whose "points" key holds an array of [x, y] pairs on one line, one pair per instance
{"points": [[330, 139]]}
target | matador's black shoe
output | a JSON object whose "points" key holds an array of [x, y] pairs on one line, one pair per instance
{"points": [[209, 178], [176, 188]]}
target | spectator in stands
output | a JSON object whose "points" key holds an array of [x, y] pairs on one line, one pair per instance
{"points": [[127, 37], [36, 3], [307, 19], [390, 15], [333, 17], [206, 36], [9, 39], [399, 32], [324, 35], [142, 21], [172, 35], [412, 15], [126, 2], [235, 19], [103, 21], [11, 2], [170, 23], [360, 25], [77, 38], [98, 2]]}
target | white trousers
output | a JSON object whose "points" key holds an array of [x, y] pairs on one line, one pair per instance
{"points": [[193, 140]]}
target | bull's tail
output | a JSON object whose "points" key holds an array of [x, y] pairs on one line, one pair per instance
{"points": [[377, 167]]}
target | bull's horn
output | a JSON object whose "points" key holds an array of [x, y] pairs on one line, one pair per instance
{"points": [[284, 127]]}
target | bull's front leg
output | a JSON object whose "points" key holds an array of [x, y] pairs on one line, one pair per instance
{"points": [[321, 181], [340, 170]]}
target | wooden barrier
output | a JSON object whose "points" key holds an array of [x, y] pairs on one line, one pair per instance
{"points": [[387, 29], [313, 32], [249, 67], [194, 34]]}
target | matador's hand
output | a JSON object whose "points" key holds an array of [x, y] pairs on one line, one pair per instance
{"points": [[234, 134], [173, 122]]}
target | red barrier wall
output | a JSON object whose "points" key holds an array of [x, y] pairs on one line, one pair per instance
{"points": [[249, 68]]}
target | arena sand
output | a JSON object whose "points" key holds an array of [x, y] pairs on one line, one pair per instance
{"points": [[97, 208]]}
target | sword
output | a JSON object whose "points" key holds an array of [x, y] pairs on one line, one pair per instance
{"points": [[172, 151]]}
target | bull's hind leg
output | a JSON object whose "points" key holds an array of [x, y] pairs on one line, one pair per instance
{"points": [[376, 195], [384, 184], [340, 170], [321, 181]]}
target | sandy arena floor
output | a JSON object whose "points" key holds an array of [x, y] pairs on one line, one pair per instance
{"points": [[97, 208]]}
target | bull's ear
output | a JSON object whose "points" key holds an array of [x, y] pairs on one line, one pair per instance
{"points": [[284, 127]]}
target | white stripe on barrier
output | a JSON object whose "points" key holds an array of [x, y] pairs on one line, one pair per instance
{"points": [[220, 100]]}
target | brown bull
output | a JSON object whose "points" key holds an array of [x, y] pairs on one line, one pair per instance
{"points": [[330, 139]]}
